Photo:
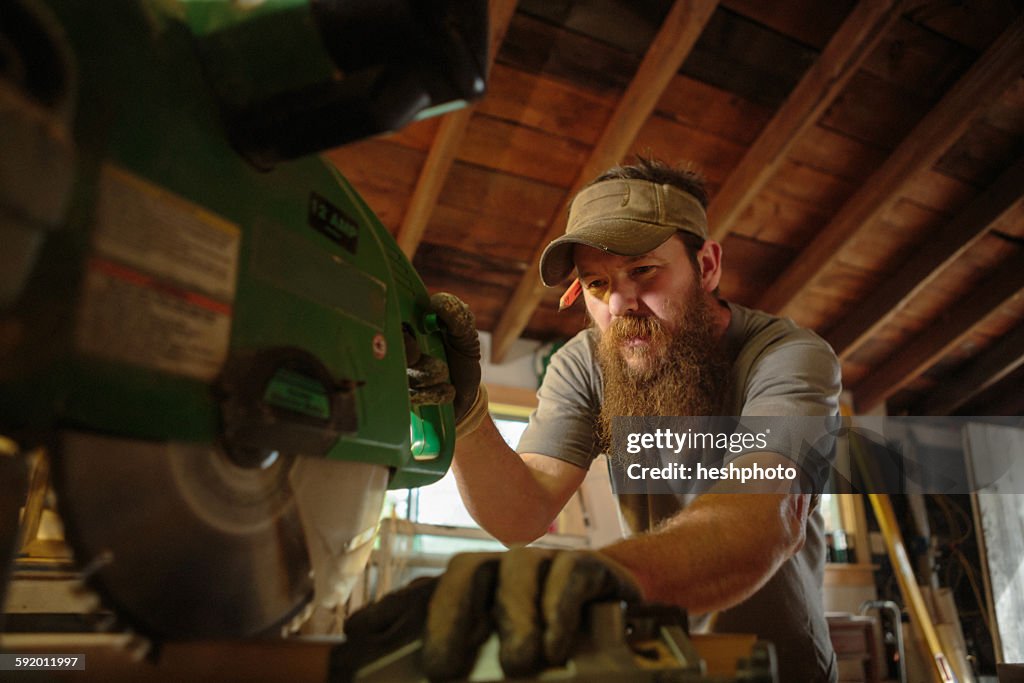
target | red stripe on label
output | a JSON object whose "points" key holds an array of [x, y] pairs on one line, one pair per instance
{"points": [[132, 276]]}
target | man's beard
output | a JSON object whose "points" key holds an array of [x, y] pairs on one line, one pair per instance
{"points": [[681, 372]]}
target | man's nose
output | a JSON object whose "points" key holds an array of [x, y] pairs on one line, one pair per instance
{"points": [[622, 300]]}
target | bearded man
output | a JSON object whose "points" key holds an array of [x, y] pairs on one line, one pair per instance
{"points": [[661, 342]]}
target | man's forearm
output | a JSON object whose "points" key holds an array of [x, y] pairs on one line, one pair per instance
{"points": [[718, 551], [500, 491]]}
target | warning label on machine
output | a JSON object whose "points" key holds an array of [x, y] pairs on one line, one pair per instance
{"points": [[159, 289]]}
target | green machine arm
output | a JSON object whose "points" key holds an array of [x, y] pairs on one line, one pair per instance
{"points": [[267, 309], [199, 318]]}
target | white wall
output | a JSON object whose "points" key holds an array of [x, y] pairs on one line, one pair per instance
{"points": [[518, 368]]}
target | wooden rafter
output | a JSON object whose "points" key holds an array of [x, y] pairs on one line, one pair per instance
{"points": [[940, 250], [1002, 398], [941, 336], [445, 145], [989, 77], [995, 363], [865, 26], [677, 36]]}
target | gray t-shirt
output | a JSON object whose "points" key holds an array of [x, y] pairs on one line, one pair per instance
{"points": [[777, 369]]}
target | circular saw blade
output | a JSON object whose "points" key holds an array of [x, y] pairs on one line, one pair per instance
{"points": [[184, 543]]}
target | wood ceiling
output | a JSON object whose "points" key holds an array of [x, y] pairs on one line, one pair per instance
{"points": [[865, 162]]}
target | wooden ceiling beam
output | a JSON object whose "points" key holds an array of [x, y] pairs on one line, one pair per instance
{"points": [[986, 80], [855, 39], [982, 372], [941, 336], [445, 146], [939, 251], [1003, 398], [678, 34]]}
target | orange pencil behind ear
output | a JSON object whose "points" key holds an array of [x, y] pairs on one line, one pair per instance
{"points": [[570, 296]]}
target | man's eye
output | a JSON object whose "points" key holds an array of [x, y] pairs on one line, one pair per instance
{"points": [[594, 285], [643, 270]]}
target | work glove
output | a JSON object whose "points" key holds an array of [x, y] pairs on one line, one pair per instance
{"points": [[426, 374], [533, 598], [397, 615]]}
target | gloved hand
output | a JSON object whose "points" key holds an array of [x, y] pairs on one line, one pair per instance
{"points": [[397, 614], [462, 344], [533, 598], [379, 629]]}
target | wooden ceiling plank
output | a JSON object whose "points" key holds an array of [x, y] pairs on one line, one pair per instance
{"points": [[677, 36], [862, 30], [1003, 398], [809, 21], [446, 145], [987, 78], [721, 113], [392, 174], [511, 148], [994, 364], [941, 336], [431, 179], [937, 253], [539, 101]]}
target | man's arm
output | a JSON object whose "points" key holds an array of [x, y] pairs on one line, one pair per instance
{"points": [[719, 550], [514, 497]]}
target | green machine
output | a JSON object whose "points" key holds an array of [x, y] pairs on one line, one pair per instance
{"points": [[200, 320]]}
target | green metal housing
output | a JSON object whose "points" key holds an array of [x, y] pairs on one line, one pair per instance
{"points": [[316, 272]]}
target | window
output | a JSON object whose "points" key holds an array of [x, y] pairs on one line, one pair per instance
{"points": [[439, 504]]}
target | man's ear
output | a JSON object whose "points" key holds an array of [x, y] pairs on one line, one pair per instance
{"points": [[709, 258]]}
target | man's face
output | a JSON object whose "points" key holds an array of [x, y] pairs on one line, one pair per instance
{"points": [[639, 302], [660, 348]]}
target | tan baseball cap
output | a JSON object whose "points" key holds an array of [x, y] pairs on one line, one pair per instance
{"points": [[625, 217]]}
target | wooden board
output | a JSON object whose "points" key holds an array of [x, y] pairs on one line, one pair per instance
{"points": [[749, 265], [780, 220], [466, 229], [811, 22], [503, 146], [832, 152], [939, 191], [1012, 224], [810, 185], [989, 76], [537, 47], [913, 319], [824, 169], [417, 135], [974, 23], [629, 26], [918, 60], [497, 196], [943, 336], [946, 373], [980, 154], [1005, 112], [546, 104], [841, 288], [677, 143], [960, 278], [875, 111], [381, 171], [480, 282], [1004, 398], [740, 56], [893, 238], [696, 104]]}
